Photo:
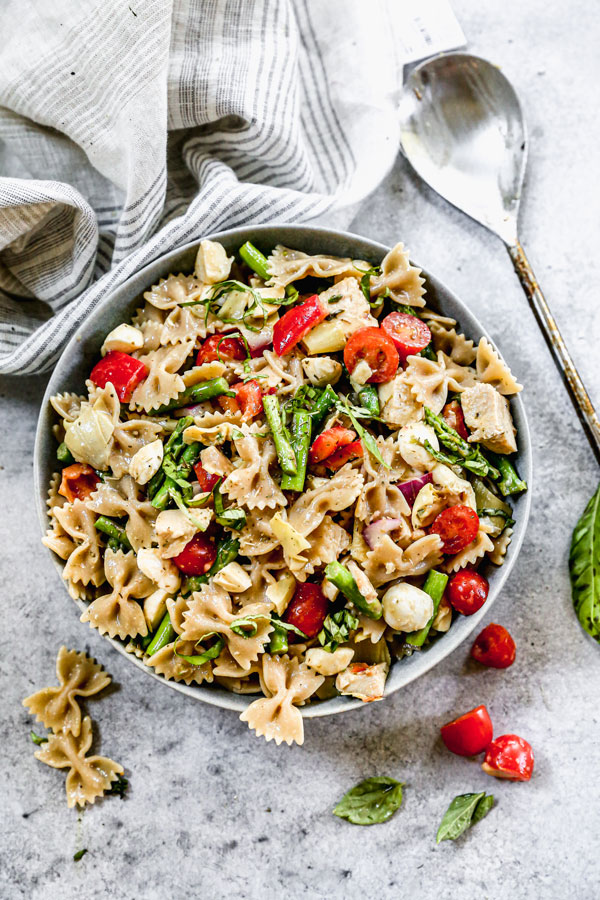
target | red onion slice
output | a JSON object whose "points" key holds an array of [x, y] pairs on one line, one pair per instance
{"points": [[411, 488]]}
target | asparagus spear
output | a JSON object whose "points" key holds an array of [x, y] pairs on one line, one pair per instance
{"points": [[197, 393], [255, 259], [509, 482], [285, 454], [279, 639], [322, 406], [369, 399], [114, 531], [469, 456], [344, 581], [64, 455], [163, 635], [435, 585], [188, 458], [301, 434]]}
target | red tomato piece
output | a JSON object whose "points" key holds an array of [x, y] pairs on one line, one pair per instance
{"points": [[248, 399], [453, 416], [122, 370], [217, 345], [296, 323], [307, 609], [206, 480], [343, 455], [494, 647], [197, 556], [378, 351], [409, 334], [469, 734], [457, 526], [467, 592], [509, 756], [328, 442], [78, 482]]}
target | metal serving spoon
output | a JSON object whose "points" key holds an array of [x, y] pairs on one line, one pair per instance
{"points": [[462, 130]]}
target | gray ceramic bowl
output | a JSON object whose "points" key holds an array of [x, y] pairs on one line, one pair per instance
{"points": [[83, 349]]}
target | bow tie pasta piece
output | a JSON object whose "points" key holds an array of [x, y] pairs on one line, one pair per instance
{"points": [[84, 565], [116, 614], [338, 493], [400, 278], [169, 662], [491, 369], [287, 265], [163, 383], [123, 497], [252, 484], [56, 707], [89, 776]]}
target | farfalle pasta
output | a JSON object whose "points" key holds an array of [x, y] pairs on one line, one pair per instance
{"points": [[269, 458]]}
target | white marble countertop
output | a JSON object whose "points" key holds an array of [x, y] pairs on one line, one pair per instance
{"points": [[213, 811]]}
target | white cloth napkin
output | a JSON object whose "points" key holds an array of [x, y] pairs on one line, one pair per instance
{"points": [[130, 127]]}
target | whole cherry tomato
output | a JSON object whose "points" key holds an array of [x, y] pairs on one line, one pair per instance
{"points": [[494, 647], [343, 455], [469, 734], [122, 370], [409, 334], [218, 345], [206, 480], [509, 756], [296, 323], [457, 526], [78, 482], [467, 591], [328, 442], [378, 351], [307, 609], [197, 556], [453, 416]]}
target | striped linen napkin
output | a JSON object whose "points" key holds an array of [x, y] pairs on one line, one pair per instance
{"points": [[131, 127]]}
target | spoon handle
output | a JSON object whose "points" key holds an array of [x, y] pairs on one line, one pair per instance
{"points": [[579, 395]]}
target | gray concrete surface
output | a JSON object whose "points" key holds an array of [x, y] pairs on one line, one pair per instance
{"points": [[212, 811]]}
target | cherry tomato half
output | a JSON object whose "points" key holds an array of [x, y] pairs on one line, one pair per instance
{"points": [[307, 609], [123, 371], [494, 647], [296, 323], [509, 756], [457, 526], [248, 399], [409, 334], [78, 482], [218, 345], [328, 442], [469, 734], [206, 480], [378, 351], [467, 591], [197, 557], [453, 415], [343, 455]]}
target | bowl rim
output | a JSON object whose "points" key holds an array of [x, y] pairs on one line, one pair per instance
{"points": [[446, 643]]}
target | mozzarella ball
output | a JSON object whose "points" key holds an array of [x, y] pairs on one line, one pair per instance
{"points": [[406, 607]]}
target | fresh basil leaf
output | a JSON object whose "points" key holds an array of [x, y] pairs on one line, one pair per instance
{"points": [[405, 308], [371, 802], [37, 739], [497, 513], [584, 567], [246, 626], [232, 517], [287, 626], [336, 629], [462, 813], [366, 437], [80, 853], [211, 653], [119, 787]]}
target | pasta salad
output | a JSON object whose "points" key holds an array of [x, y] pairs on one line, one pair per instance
{"points": [[284, 474]]}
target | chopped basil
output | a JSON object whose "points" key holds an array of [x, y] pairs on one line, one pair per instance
{"points": [[464, 811], [211, 653], [336, 629], [371, 802], [79, 855], [37, 739], [119, 787]]}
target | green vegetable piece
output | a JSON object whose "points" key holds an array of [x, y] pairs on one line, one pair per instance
{"points": [[114, 531], [279, 639], [80, 854], [509, 481], [230, 518], [344, 581], [428, 352], [246, 626], [301, 435], [197, 393], [336, 629], [467, 455], [176, 475], [209, 654], [464, 811], [369, 399], [584, 567], [227, 551], [255, 259], [435, 585], [37, 739], [321, 407], [119, 787], [489, 504], [164, 634], [64, 455], [366, 437], [371, 802], [285, 454]]}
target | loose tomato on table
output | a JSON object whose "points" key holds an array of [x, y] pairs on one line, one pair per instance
{"points": [[467, 591], [494, 647], [328, 442], [409, 334], [510, 757], [377, 349], [248, 399], [453, 416], [122, 370], [343, 455], [296, 323], [78, 482], [220, 346], [457, 526], [469, 734], [197, 556], [307, 609], [206, 480]]}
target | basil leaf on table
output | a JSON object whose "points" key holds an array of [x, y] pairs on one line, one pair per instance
{"points": [[464, 811], [584, 567], [371, 802]]}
